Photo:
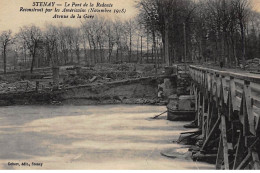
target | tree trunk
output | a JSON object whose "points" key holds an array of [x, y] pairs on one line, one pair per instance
{"points": [[137, 45], [141, 49], [109, 46], [185, 44], [121, 49], [243, 40], [85, 51], [100, 52], [4, 53], [117, 54], [166, 44], [33, 57], [235, 52], [78, 54], [147, 41], [222, 47], [154, 47], [71, 55], [130, 55]]}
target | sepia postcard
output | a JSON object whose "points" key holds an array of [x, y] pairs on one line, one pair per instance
{"points": [[129, 84]]}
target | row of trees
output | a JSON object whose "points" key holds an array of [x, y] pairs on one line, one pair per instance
{"points": [[95, 41], [218, 30], [208, 30]]}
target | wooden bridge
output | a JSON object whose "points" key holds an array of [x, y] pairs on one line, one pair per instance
{"points": [[228, 114]]}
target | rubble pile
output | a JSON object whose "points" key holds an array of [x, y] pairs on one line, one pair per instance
{"points": [[253, 65], [17, 86], [74, 76], [102, 73]]}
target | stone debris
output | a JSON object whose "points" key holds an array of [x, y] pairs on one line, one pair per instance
{"points": [[74, 75], [93, 79], [17, 86], [253, 65]]}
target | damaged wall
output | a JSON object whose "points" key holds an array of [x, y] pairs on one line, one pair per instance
{"points": [[135, 91]]}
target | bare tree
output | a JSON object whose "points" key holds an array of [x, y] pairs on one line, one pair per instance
{"points": [[84, 42], [111, 36], [77, 40], [31, 36], [89, 28], [51, 45], [5, 39], [242, 11], [100, 36], [119, 32]]}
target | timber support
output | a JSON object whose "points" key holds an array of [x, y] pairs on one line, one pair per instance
{"points": [[228, 114]]}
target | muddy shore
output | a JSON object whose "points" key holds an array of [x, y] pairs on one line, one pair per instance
{"points": [[135, 91]]}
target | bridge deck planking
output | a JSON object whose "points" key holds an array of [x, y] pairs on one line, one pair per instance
{"points": [[238, 75]]}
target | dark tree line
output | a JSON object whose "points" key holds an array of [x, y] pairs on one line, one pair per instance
{"points": [[209, 30]]}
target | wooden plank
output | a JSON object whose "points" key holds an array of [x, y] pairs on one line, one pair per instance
{"points": [[243, 116], [239, 151], [221, 95], [256, 161], [243, 76], [224, 86], [247, 91], [214, 115], [245, 161], [230, 107], [225, 143], [215, 127], [203, 114], [219, 88], [220, 155], [242, 110], [208, 117], [196, 98], [199, 110], [209, 82], [232, 87]]}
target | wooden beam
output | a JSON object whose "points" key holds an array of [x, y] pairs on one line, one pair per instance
{"points": [[203, 114], [248, 100], [256, 160], [230, 107], [232, 87], [219, 88], [225, 92], [243, 115], [241, 76], [214, 115], [224, 139], [245, 161], [220, 155], [239, 151], [199, 110], [215, 127], [196, 100], [209, 116]]}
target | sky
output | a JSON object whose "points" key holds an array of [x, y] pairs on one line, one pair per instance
{"points": [[11, 18]]}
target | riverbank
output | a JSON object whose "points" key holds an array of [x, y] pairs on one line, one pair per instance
{"points": [[102, 84], [134, 91]]}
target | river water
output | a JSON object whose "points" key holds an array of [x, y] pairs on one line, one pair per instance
{"points": [[90, 137]]}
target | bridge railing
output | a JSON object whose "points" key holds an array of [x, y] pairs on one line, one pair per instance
{"points": [[234, 98]]}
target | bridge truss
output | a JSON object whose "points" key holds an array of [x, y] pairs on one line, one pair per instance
{"points": [[228, 114]]}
